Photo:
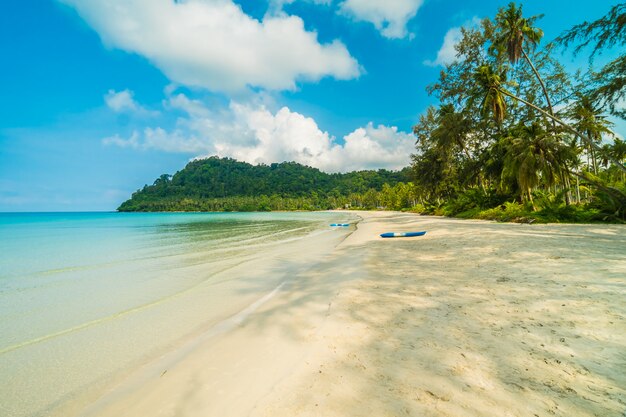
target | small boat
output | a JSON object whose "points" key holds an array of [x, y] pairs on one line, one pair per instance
{"points": [[403, 234], [339, 224]]}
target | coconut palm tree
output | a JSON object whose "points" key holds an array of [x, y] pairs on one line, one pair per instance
{"points": [[489, 86], [534, 156], [513, 33], [607, 32], [589, 119], [618, 151]]}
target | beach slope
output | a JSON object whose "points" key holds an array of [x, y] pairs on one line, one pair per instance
{"points": [[473, 319]]}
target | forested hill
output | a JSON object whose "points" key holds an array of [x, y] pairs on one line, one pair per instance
{"points": [[224, 184]]}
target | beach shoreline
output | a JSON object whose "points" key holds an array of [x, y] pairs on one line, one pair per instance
{"points": [[474, 318]]}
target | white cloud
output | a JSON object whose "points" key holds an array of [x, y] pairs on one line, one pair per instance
{"points": [[390, 17], [375, 147], [157, 138], [447, 53], [215, 45], [252, 133], [277, 5], [123, 102]]}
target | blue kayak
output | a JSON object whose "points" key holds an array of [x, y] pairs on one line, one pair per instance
{"points": [[403, 234], [340, 224]]}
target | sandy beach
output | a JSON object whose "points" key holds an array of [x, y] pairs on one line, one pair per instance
{"points": [[473, 319]]}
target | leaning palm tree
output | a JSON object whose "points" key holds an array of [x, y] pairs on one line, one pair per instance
{"points": [[489, 86], [514, 33], [607, 32]]}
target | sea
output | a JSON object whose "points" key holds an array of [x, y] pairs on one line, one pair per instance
{"points": [[88, 298]]}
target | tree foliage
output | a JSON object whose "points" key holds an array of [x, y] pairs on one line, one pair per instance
{"points": [[223, 184], [494, 137], [607, 86]]}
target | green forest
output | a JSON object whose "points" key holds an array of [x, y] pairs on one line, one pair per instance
{"points": [[514, 137], [223, 184]]}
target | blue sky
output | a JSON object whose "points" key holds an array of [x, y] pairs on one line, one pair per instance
{"points": [[101, 97]]}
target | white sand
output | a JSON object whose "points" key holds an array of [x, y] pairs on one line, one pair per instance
{"points": [[473, 319]]}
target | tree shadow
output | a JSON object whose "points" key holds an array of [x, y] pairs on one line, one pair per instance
{"points": [[510, 320]]}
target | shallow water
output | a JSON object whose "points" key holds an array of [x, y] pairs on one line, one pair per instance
{"points": [[87, 297]]}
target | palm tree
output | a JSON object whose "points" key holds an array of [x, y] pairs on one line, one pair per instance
{"points": [[513, 33], [607, 32], [618, 151], [589, 119], [488, 84], [533, 157]]}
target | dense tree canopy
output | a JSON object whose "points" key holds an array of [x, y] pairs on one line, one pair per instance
{"points": [[495, 137], [223, 184]]}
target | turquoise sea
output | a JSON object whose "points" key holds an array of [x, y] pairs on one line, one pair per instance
{"points": [[85, 298]]}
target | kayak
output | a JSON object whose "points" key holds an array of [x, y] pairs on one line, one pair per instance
{"points": [[340, 224], [403, 234]]}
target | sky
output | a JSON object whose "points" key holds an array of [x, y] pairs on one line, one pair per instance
{"points": [[101, 97]]}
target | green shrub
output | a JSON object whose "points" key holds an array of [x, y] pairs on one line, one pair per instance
{"points": [[473, 200], [507, 212]]}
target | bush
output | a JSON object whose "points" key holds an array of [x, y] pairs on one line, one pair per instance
{"points": [[471, 201], [418, 208], [507, 212]]}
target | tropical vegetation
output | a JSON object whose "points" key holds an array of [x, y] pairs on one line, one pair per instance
{"points": [[223, 184], [514, 137]]}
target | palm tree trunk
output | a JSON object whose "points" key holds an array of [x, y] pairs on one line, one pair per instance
{"points": [[567, 184], [543, 86], [594, 163], [530, 198], [612, 191], [587, 140]]}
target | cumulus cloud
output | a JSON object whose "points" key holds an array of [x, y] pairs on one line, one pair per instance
{"points": [[215, 45], [447, 53], [117, 140], [253, 133], [123, 102], [372, 147], [390, 17]]}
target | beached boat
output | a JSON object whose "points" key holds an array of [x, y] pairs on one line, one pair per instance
{"points": [[402, 234]]}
